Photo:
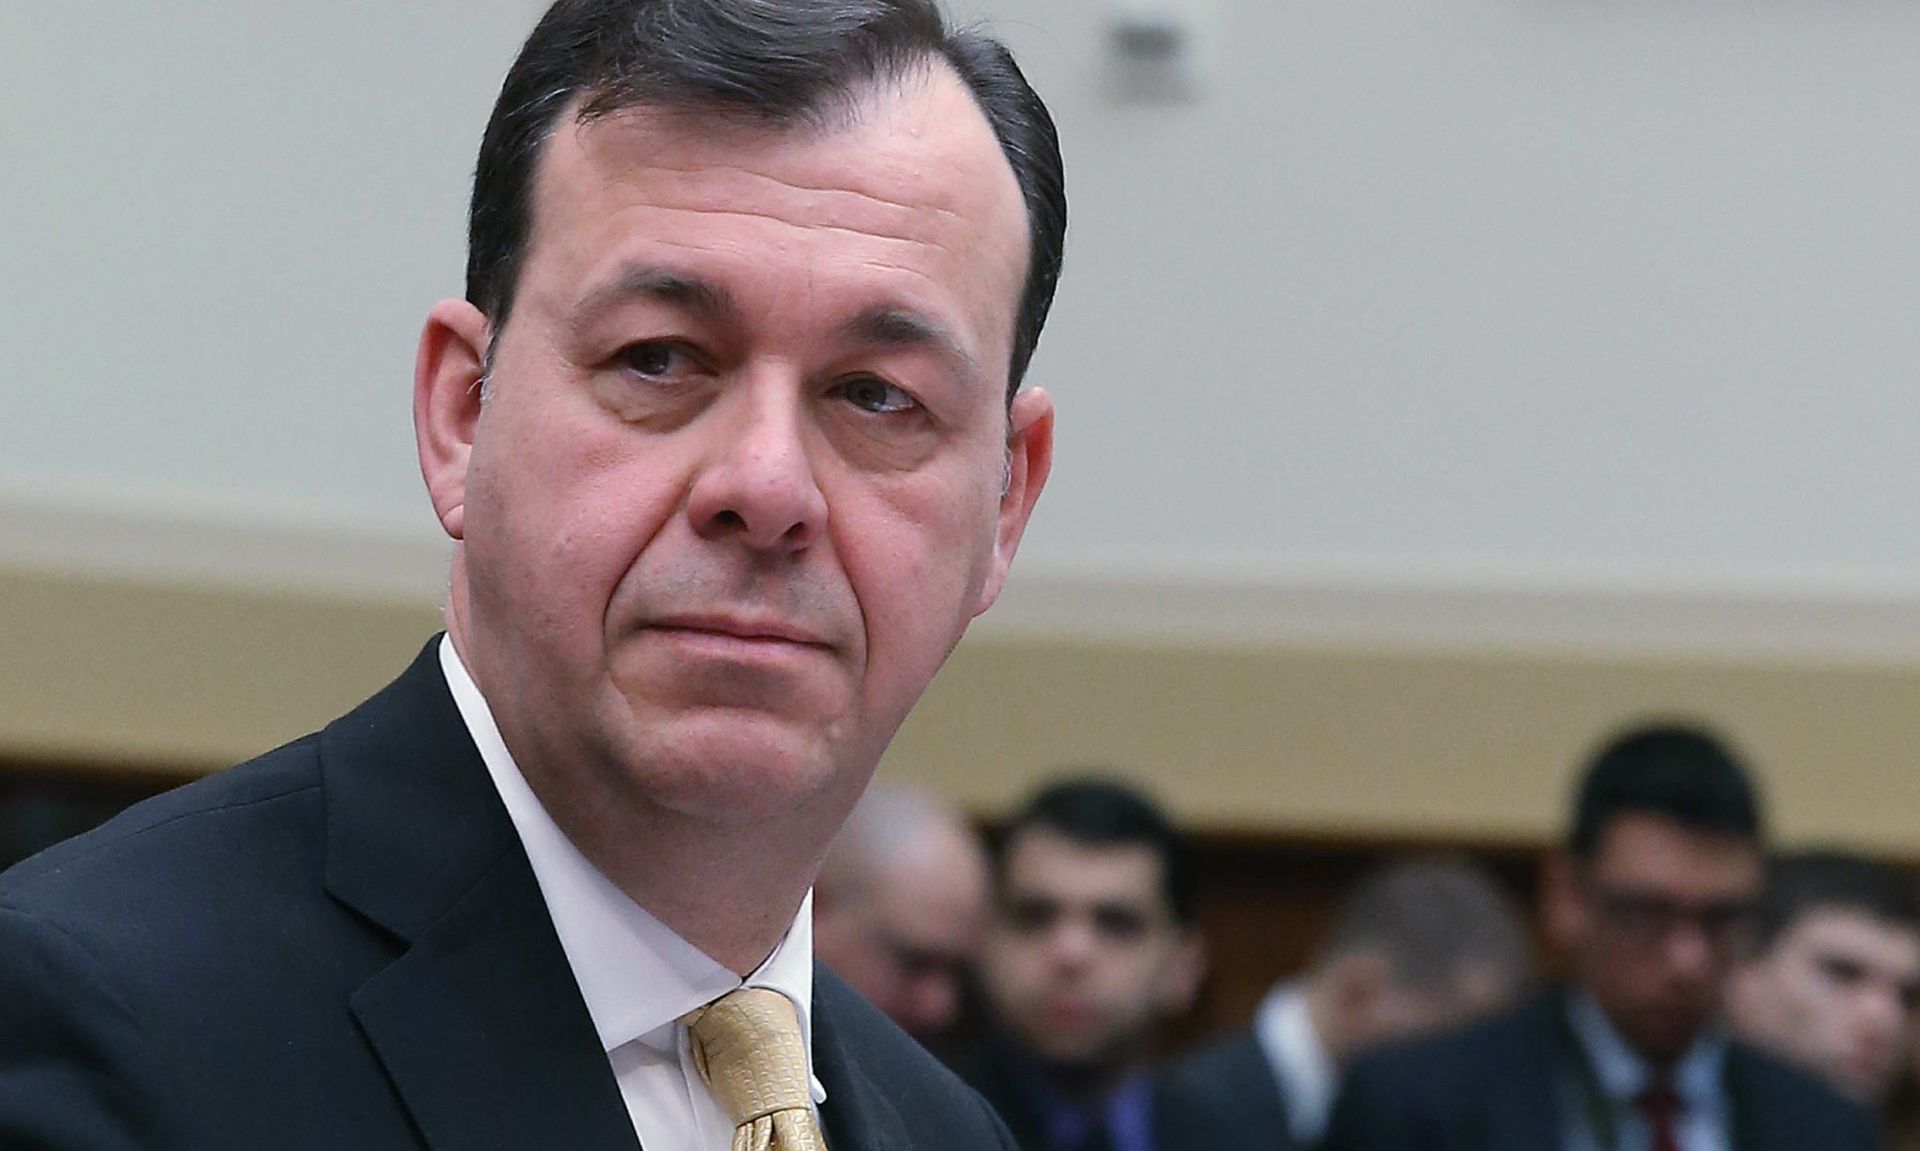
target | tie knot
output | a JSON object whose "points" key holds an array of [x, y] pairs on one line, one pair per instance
{"points": [[747, 1047], [1660, 1103]]}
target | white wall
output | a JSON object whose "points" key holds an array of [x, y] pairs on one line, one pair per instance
{"points": [[1561, 294]]}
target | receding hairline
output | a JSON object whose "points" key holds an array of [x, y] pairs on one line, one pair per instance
{"points": [[890, 823], [843, 109]]}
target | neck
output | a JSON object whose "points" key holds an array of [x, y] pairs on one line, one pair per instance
{"points": [[726, 887], [1324, 1015], [732, 895]]}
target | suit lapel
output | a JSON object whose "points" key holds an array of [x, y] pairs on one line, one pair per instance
{"points": [[1524, 1113], [485, 1044], [1248, 1076], [857, 1115], [478, 1022], [1747, 1126]]}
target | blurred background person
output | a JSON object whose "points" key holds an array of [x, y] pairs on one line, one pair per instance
{"points": [[1091, 947], [1834, 982], [1653, 900], [1420, 946], [899, 906]]}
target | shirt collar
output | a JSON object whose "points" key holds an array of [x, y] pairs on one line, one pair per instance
{"points": [[1307, 1077], [637, 976], [1622, 1074]]}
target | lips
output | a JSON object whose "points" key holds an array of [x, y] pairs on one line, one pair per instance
{"points": [[1067, 1015], [744, 628]]}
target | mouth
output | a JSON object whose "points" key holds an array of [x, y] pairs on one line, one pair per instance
{"points": [[1066, 1015], [725, 630]]}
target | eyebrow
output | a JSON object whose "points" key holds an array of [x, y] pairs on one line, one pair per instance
{"points": [[664, 285], [890, 327], [884, 326]]}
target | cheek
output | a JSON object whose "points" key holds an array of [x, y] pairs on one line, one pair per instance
{"points": [[593, 494], [568, 515], [917, 551]]}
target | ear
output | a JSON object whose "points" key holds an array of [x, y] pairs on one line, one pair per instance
{"points": [[1029, 460], [446, 404], [1358, 979], [1746, 995], [1180, 979], [1564, 912]]}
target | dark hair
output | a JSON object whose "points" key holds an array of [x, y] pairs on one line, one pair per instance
{"points": [[1676, 771], [1432, 920], [776, 62], [1099, 812], [1809, 881]]}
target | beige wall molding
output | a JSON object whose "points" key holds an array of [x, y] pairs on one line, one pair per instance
{"points": [[1449, 706], [1434, 605], [120, 674]]}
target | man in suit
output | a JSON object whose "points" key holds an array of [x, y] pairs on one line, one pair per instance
{"points": [[1834, 984], [728, 433], [1090, 948], [1421, 946], [1652, 901], [899, 907]]}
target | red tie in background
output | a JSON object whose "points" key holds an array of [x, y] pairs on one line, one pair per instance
{"points": [[1662, 1106]]}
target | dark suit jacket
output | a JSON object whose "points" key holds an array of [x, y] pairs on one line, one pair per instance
{"points": [[341, 945], [1233, 1088], [1501, 1086], [1007, 1077]]}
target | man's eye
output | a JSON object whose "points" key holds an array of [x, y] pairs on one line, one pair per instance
{"points": [[1843, 972], [871, 394], [1028, 916], [1119, 923], [653, 357]]}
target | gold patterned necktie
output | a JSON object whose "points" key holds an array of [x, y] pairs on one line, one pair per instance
{"points": [[747, 1047]]}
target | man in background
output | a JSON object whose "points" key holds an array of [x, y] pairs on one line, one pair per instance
{"points": [[1652, 902], [899, 906], [1091, 947], [1420, 946], [1834, 984]]}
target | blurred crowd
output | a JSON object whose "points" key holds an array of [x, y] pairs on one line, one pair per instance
{"points": [[1682, 988]]}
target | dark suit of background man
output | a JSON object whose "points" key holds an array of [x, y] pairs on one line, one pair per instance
{"points": [[1652, 902], [1419, 946], [727, 431], [1090, 948]]}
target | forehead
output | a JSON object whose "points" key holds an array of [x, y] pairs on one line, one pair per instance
{"points": [[909, 179], [1040, 861], [1654, 851]]}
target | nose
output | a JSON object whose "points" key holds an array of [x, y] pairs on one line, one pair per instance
{"points": [[1073, 941], [757, 485], [1882, 1015], [1690, 952]]}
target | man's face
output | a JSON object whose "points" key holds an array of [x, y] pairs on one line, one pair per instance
{"points": [[1837, 992], [736, 485], [1084, 956], [909, 946], [1653, 923]]}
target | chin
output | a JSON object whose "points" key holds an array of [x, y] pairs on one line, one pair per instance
{"points": [[725, 770]]}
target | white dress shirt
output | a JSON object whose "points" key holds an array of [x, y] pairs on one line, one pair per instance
{"points": [[637, 976], [1306, 1074], [1621, 1074]]}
